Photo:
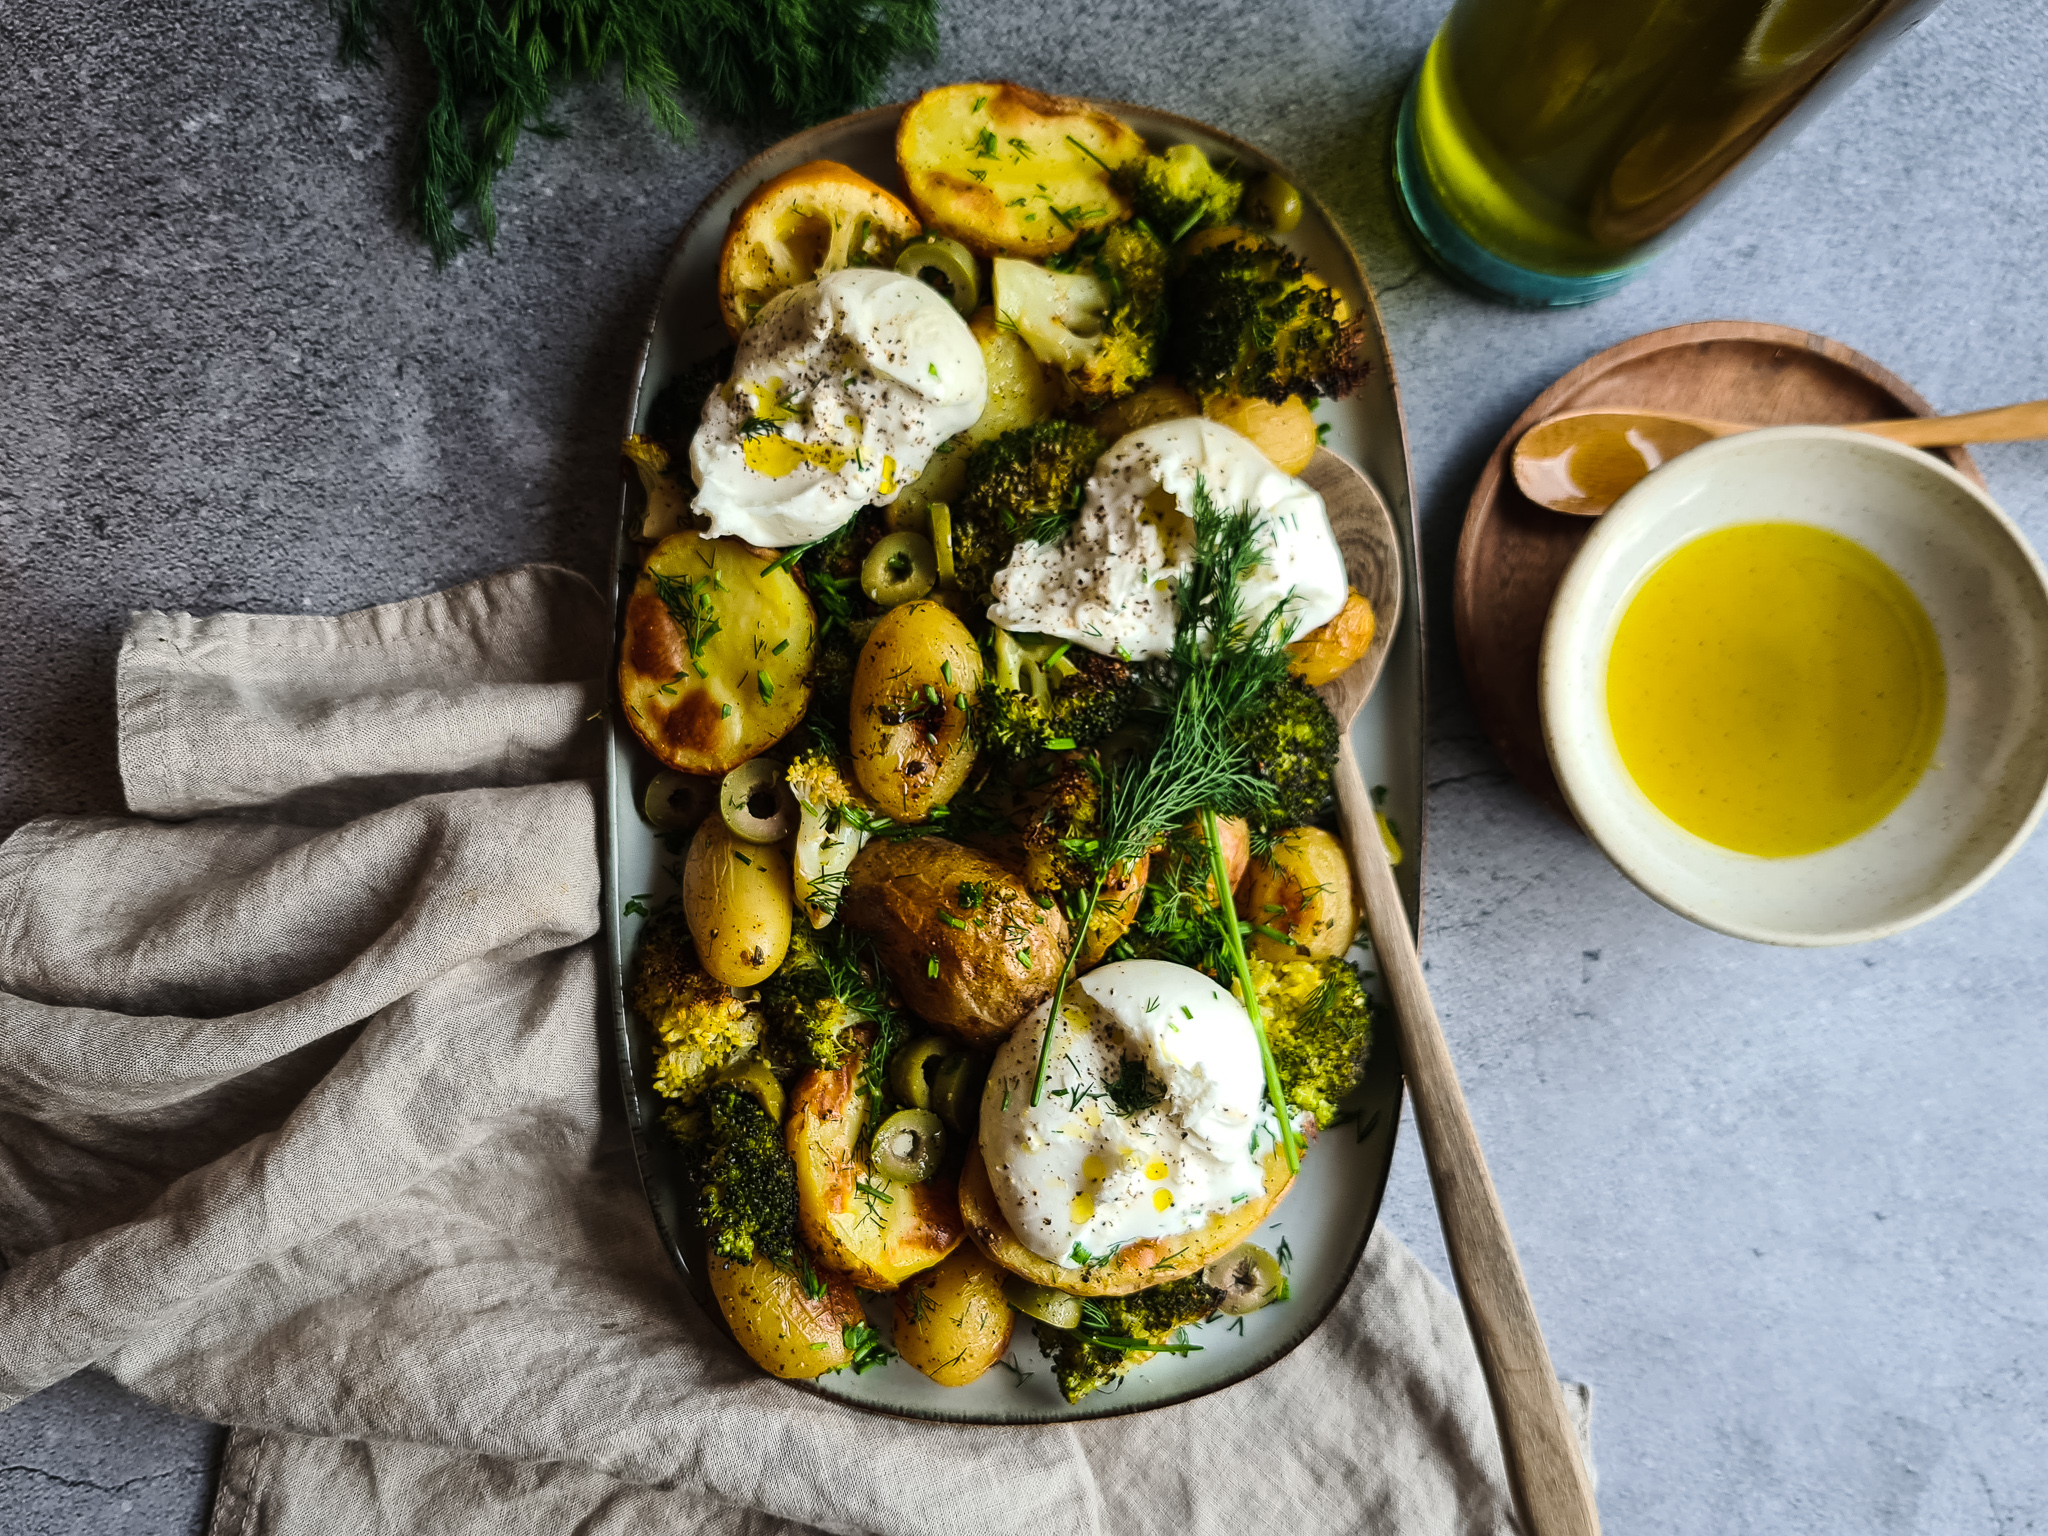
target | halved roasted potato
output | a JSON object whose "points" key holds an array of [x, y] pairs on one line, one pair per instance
{"points": [[1008, 171], [1147, 1262], [787, 1331], [717, 649], [1325, 654], [913, 689], [817, 218], [875, 1232], [959, 936]]}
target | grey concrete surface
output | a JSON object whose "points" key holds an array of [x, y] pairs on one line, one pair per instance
{"points": [[1785, 1210]]}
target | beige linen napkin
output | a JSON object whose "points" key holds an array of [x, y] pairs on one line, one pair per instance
{"points": [[307, 1125]]}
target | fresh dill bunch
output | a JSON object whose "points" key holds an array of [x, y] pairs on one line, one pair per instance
{"points": [[498, 63]]}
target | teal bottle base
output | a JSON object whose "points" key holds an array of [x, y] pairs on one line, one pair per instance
{"points": [[1464, 260]]}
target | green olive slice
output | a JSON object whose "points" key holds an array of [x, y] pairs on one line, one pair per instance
{"points": [[909, 1146], [754, 1076], [910, 1071], [756, 804], [899, 569], [1275, 204], [1042, 1302], [676, 802], [959, 277], [1249, 1278], [956, 1090], [942, 539]]}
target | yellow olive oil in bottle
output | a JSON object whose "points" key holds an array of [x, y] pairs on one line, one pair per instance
{"points": [[1547, 147]]}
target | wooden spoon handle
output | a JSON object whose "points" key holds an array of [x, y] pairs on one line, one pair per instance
{"points": [[1552, 1493], [2005, 424]]}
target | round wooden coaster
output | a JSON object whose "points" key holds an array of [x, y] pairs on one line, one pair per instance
{"points": [[1513, 553]]}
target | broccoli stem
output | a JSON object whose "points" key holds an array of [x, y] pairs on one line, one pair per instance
{"points": [[1226, 914], [1059, 992]]}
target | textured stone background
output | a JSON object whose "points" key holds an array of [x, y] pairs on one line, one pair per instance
{"points": [[1786, 1210]]}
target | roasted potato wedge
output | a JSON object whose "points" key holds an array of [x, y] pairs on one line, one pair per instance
{"points": [[989, 165], [913, 686], [952, 1322], [1285, 434], [1327, 653], [1116, 908], [1133, 1267], [716, 652], [1300, 888], [787, 1332], [817, 218], [876, 1233], [1021, 390], [962, 940], [736, 899]]}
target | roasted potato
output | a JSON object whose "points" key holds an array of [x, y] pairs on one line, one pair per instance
{"points": [[1133, 1267], [916, 678], [787, 1332], [736, 899], [814, 219], [952, 1322], [1021, 390], [1325, 654], [716, 652], [876, 1233], [1301, 887], [1116, 908], [1285, 434], [962, 940], [989, 165], [1161, 400]]}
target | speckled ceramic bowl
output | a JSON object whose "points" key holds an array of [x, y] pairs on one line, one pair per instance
{"points": [[1987, 597]]}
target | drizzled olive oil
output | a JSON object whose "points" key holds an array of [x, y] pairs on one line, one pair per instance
{"points": [[1775, 688]]}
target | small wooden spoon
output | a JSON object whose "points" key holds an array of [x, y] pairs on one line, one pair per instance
{"points": [[1553, 1495], [1580, 462]]}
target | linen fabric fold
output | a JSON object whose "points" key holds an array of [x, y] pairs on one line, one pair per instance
{"points": [[307, 1125]]}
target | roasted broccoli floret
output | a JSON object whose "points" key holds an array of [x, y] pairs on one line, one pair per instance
{"points": [[1180, 192], [1064, 699], [702, 1024], [1115, 1329], [1249, 318], [808, 1024], [1293, 740], [1101, 318], [1025, 484], [1059, 825], [1319, 1023], [746, 1183]]}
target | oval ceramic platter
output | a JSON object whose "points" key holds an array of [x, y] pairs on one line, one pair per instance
{"points": [[1328, 1215]]}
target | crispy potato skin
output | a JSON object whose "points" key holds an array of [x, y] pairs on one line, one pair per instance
{"points": [[736, 899], [1285, 433], [710, 712], [1325, 654], [908, 728], [800, 223], [1151, 1261], [875, 1242], [785, 1332], [952, 1322], [939, 148], [1308, 878], [1001, 961]]}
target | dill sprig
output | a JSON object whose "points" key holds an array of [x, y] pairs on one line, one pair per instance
{"points": [[498, 64], [1220, 666]]}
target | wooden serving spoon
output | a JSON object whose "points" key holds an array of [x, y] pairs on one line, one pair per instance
{"points": [[1580, 462], [1553, 1496]]}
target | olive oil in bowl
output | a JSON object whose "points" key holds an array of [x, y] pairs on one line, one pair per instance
{"points": [[1775, 688]]}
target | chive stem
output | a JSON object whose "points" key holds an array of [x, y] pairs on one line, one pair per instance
{"points": [[1059, 992], [1226, 909]]}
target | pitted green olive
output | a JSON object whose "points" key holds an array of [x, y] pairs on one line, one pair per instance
{"points": [[959, 278], [909, 1146], [676, 802], [911, 1068], [1042, 1302], [899, 569], [756, 804], [754, 1076], [1274, 203]]}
